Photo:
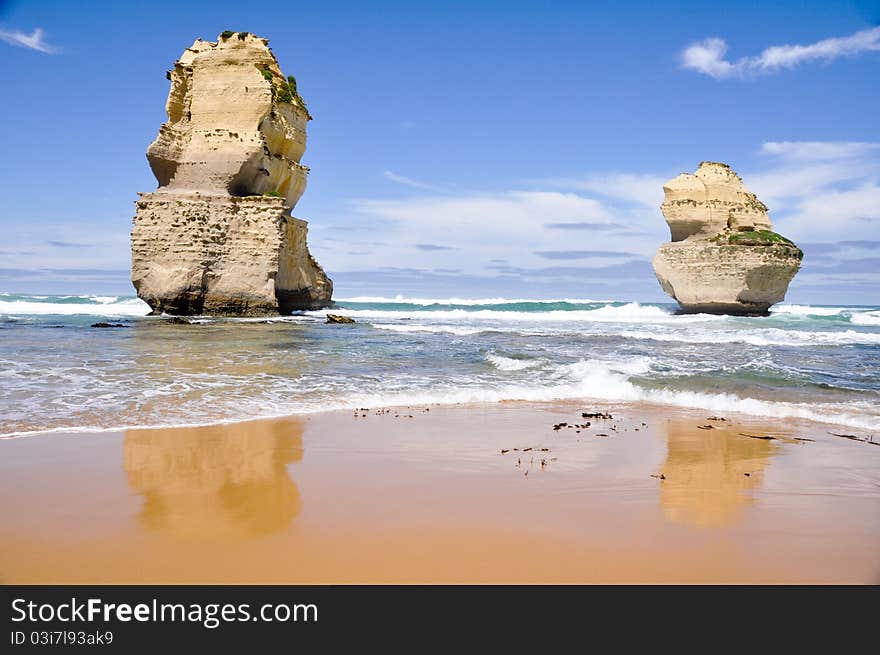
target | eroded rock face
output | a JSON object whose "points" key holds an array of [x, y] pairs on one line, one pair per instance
{"points": [[723, 257], [217, 236]]}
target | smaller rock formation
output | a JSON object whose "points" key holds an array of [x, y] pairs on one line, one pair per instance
{"points": [[724, 257], [336, 318]]}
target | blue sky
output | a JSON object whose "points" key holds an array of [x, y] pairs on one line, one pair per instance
{"points": [[449, 142]]}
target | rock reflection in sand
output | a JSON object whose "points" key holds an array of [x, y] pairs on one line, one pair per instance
{"points": [[215, 481], [710, 473]]}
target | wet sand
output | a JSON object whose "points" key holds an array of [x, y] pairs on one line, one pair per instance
{"points": [[427, 495]]}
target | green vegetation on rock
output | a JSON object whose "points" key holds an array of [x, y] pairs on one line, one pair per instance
{"points": [[757, 238], [291, 85], [285, 91], [228, 34], [272, 194]]}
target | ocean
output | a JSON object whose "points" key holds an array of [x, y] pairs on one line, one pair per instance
{"points": [[57, 373]]}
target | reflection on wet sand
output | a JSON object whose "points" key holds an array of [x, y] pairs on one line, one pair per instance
{"points": [[224, 480], [212, 361], [710, 473]]}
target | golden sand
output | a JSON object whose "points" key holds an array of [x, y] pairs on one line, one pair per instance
{"points": [[411, 496]]}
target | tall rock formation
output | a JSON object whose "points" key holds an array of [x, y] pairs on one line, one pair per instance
{"points": [[723, 258], [217, 236]]}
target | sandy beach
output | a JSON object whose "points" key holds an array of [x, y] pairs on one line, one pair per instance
{"points": [[484, 493]]}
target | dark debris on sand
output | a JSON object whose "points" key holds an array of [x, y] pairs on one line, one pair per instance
{"points": [[852, 437], [363, 412]]}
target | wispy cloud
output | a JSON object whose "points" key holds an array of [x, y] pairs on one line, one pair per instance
{"points": [[67, 244], [488, 217], [619, 271], [632, 188], [820, 150], [708, 56], [821, 189], [867, 244], [34, 40], [432, 247], [401, 179], [861, 265], [582, 254], [584, 225]]}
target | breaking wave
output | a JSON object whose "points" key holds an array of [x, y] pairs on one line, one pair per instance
{"points": [[583, 380], [72, 305]]}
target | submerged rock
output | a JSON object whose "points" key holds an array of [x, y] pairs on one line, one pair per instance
{"points": [[102, 324], [217, 236], [723, 257], [336, 318]]}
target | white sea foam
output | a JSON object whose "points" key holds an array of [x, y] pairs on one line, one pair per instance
{"points": [[588, 380], [584, 380], [806, 310], [762, 337], [855, 316], [466, 301], [694, 335], [436, 329], [511, 364], [130, 307], [866, 318], [629, 313], [591, 380]]}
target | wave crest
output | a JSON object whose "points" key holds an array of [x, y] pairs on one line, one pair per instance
{"points": [[101, 306], [503, 363]]}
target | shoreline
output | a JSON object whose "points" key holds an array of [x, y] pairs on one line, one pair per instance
{"points": [[649, 404], [805, 362], [330, 498]]}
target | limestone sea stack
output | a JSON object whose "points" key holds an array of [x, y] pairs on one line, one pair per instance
{"points": [[217, 236], [724, 257]]}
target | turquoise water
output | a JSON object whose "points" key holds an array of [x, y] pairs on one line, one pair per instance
{"points": [[58, 372]]}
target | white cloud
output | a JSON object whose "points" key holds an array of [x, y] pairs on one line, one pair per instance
{"points": [[819, 150], [491, 214], [70, 244], [508, 224], [821, 190], [636, 188], [817, 191], [707, 56], [408, 181], [784, 180], [34, 41], [833, 214]]}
